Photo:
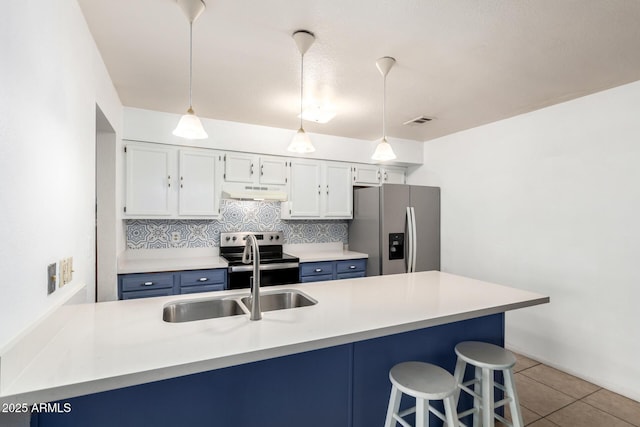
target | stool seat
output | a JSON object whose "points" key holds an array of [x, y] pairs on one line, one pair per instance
{"points": [[424, 382], [485, 355]]}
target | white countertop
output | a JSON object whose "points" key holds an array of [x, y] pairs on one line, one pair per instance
{"points": [[117, 344], [152, 261], [153, 265]]}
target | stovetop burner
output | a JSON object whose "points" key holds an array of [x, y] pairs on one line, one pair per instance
{"points": [[269, 245]]}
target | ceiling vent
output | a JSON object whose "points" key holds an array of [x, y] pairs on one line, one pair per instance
{"points": [[418, 120]]}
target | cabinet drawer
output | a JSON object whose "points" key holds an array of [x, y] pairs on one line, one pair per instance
{"points": [[147, 294], [146, 281], [316, 268], [351, 275], [351, 265], [202, 288], [319, 278], [203, 277]]}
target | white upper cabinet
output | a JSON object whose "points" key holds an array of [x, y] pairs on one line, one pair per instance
{"points": [[164, 181], [338, 197], [372, 175], [198, 189], [305, 190], [393, 175], [255, 169], [319, 190], [239, 167], [367, 175], [148, 177], [273, 170]]}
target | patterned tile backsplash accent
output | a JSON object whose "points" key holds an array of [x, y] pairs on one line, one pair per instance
{"points": [[235, 216]]}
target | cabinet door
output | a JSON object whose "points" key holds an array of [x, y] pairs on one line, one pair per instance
{"points": [[366, 175], [393, 175], [338, 190], [240, 167], [149, 180], [305, 189], [198, 183], [273, 171]]}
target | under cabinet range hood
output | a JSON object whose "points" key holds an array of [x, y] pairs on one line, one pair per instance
{"points": [[253, 192]]}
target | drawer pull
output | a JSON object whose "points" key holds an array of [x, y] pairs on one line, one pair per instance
{"points": [[318, 270], [147, 284], [352, 267], [202, 279]]}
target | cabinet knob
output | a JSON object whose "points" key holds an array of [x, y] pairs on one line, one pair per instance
{"points": [[261, 170], [352, 267], [318, 189], [202, 279], [251, 168], [147, 284], [318, 270]]}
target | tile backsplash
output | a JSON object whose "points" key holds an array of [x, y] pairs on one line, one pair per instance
{"points": [[235, 216]]}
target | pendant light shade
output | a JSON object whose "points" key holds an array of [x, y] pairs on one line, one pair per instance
{"points": [[384, 151], [190, 126], [301, 143]]}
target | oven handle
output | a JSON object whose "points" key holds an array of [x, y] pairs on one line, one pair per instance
{"points": [[276, 266]]}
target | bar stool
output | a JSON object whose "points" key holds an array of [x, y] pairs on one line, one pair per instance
{"points": [[487, 358], [424, 382]]}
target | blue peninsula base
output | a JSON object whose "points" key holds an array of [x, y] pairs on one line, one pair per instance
{"points": [[345, 385]]}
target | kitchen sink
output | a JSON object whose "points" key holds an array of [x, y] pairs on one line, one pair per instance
{"points": [[281, 300], [187, 311]]}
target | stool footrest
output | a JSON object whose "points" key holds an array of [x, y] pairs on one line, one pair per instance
{"points": [[503, 420], [471, 392], [502, 402], [407, 412], [400, 420]]}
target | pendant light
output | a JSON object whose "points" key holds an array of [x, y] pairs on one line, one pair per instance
{"points": [[189, 126], [383, 150], [301, 143]]}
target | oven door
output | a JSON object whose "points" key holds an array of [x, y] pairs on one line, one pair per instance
{"points": [[269, 276]]}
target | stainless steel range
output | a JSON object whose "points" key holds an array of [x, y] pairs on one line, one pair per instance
{"points": [[276, 267]]}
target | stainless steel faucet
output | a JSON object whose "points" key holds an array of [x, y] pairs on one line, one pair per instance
{"points": [[252, 253]]}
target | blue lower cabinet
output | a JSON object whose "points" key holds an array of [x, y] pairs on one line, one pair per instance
{"points": [[145, 285], [332, 270], [342, 386], [202, 280]]}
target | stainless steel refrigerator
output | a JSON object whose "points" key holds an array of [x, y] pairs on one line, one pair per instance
{"points": [[398, 226]]}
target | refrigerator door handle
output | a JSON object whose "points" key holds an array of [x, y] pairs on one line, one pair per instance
{"points": [[414, 240], [409, 242]]}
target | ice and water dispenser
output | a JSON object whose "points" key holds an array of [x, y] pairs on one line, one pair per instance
{"points": [[396, 245]]}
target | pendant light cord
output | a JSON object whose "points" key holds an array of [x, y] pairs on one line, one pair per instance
{"points": [[301, 85], [190, 63], [384, 104]]}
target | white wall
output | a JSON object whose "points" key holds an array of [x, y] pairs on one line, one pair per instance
{"points": [[51, 79], [155, 126], [550, 201]]}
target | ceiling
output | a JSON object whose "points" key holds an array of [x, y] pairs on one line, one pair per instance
{"points": [[464, 62]]}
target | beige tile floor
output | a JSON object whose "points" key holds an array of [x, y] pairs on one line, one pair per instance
{"points": [[551, 398]]}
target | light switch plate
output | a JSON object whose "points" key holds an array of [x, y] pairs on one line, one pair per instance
{"points": [[51, 278]]}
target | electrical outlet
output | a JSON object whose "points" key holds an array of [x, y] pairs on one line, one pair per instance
{"points": [[66, 270], [175, 236], [70, 267], [52, 278], [63, 271]]}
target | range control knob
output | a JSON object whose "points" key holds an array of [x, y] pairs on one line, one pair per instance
{"points": [[234, 238], [227, 238], [270, 237], [277, 237]]}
